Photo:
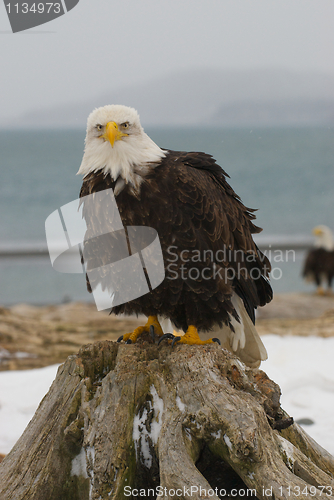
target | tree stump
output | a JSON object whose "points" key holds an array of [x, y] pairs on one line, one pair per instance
{"points": [[123, 421]]}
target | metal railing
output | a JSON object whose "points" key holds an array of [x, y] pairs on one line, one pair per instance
{"points": [[39, 249]]}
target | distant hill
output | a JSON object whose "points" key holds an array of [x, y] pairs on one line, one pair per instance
{"points": [[268, 113], [210, 97]]}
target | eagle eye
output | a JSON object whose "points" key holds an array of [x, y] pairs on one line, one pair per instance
{"points": [[125, 125], [99, 127]]}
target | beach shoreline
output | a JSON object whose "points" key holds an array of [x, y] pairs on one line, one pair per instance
{"points": [[38, 336]]}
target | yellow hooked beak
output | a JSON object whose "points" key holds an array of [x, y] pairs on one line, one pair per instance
{"points": [[113, 133], [317, 231]]}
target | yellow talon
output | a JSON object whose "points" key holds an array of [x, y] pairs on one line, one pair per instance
{"points": [[191, 337], [152, 320]]}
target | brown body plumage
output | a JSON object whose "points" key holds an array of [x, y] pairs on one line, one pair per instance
{"points": [[188, 201], [319, 266], [319, 262]]}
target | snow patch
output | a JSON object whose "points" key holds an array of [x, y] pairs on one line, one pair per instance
{"points": [[216, 435], [142, 435], [158, 408], [90, 456], [227, 441], [20, 394], [181, 406], [303, 368], [90, 450], [79, 465]]}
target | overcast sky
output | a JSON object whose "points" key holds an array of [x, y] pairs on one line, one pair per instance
{"points": [[102, 45]]}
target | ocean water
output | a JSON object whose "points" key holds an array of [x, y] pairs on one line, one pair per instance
{"points": [[287, 174]]}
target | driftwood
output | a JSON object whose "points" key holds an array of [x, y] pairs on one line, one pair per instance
{"points": [[122, 421]]}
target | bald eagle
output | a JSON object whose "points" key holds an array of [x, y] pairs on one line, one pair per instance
{"points": [[319, 263], [215, 275]]}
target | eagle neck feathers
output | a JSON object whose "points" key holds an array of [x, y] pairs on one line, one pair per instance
{"points": [[128, 163]]}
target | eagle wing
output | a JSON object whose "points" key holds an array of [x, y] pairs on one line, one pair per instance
{"points": [[222, 223]]}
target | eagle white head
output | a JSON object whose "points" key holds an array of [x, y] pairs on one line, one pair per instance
{"points": [[117, 144], [324, 237]]}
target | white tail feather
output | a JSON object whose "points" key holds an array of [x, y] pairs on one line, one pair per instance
{"points": [[252, 351], [245, 342]]}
